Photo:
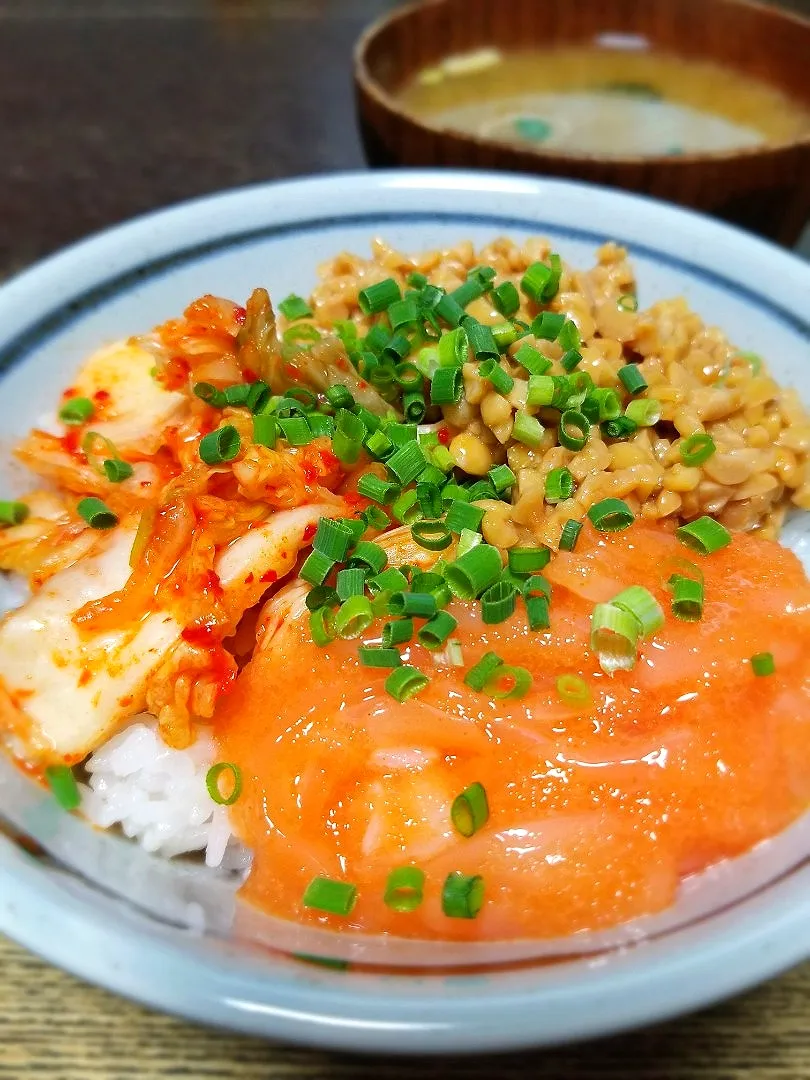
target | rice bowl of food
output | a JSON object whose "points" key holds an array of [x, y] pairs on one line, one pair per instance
{"points": [[406, 619]]}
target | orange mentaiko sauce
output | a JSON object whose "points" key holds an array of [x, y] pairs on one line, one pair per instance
{"points": [[596, 811]]}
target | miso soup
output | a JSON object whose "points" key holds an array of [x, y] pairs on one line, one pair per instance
{"points": [[603, 101]]}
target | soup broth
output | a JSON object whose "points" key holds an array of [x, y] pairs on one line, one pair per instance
{"points": [[603, 101]]}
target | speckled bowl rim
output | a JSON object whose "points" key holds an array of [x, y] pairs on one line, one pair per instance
{"points": [[224, 984]]}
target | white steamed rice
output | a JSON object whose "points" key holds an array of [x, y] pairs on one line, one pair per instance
{"points": [[158, 795]]}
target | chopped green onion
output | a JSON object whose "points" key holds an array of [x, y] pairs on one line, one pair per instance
{"points": [[403, 312], [381, 491], [574, 430], [559, 485], [210, 394], [484, 275], [429, 498], [431, 535], [481, 341], [474, 572], [527, 429], [537, 612], [370, 555], [321, 626], [347, 442], [96, 513], [632, 379], [570, 534], [296, 430], [375, 656], [697, 449], [333, 897], [237, 394], [213, 782], [504, 334], [413, 406], [609, 406], [498, 602], [294, 307], [541, 282], [404, 889], [356, 527], [378, 297], [420, 605], [570, 341], [573, 690], [320, 425], [470, 290], [339, 397], [501, 380], [763, 663], [405, 508], [571, 358], [644, 412], [620, 428], [301, 332], [506, 299], [476, 678], [527, 560], [321, 596], [502, 478], [220, 446], [627, 302], [641, 603], [470, 810], [532, 360], [13, 512], [611, 515], [406, 463], [433, 583], [379, 445], [687, 598], [753, 359], [614, 637], [77, 410], [540, 390], [62, 782], [376, 339], [390, 580], [397, 632], [317, 567], [507, 681], [461, 515], [332, 539], [437, 630], [446, 386], [350, 582], [462, 895], [704, 535], [481, 489], [404, 682], [258, 397], [353, 617], [467, 540], [265, 430], [117, 470], [416, 280], [453, 348], [448, 309], [547, 326], [537, 585]]}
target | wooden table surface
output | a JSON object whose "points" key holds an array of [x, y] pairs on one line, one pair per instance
{"points": [[111, 107]]}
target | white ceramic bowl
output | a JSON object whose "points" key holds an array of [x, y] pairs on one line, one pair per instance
{"points": [[102, 908]]}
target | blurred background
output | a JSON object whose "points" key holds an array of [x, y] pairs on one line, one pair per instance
{"points": [[112, 107]]}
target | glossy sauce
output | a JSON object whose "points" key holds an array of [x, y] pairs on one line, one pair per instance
{"points": [[604, 101], [595, 813]]}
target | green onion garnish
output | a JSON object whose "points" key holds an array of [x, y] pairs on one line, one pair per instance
{"points": [[404, 682], [446, 386], [527, 429], [620, 428], [321, 596], [473, 573], [294, 335], [326, 894], [470, 810], [608, 403], [573, 690], [687, 598], [437, 630], [406, 463], [413, 406], [632, 379], [611, 515], [540, 282], [559, 485], [508, 682], [704, 535], [476, 678], [416, 280], [403, 313], [296, 430], [321, 425], [294, 307], [369, 555], [754, 360], [390, 580], [404, 889], [537, 585], [432, 535], [498, 602], [540, 390], [356, 527], [397, 632], [571, 358], [221, 445], [210, 394], [481, 341], [421, 605], [644, 412], [548, 325], [76, 411], [213, 781], [453, 348], [117, 470], [332, 539], [614, 637], [470, 290], [381, 491], [763, 663], [462, 895], [570, 534], [354, 616], [433, 583], [641, 603], [574, 430], [237, 394], [537, 612], [570, 340], [13, 512], [462, 515], [339, 397], [697, 449], [502, 478], [265, 430], [627, 302], [378, 657], [62, 782], [379, 445], [350, 582], [322, 626], [501, 380], [406, 508], [96, 513], [347, 442], [528, 560], [316, 567], [533, 361], [505, 298], [378, 297]]}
